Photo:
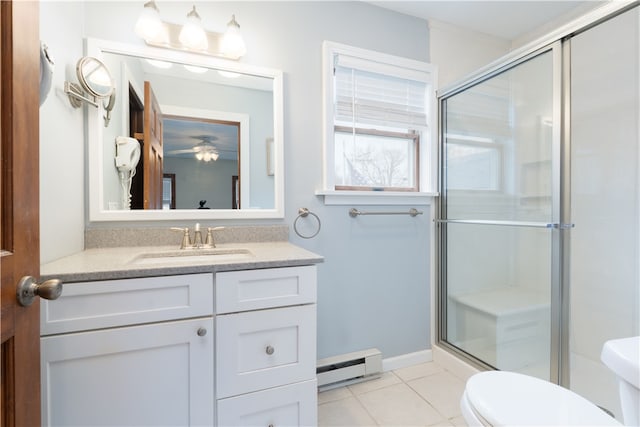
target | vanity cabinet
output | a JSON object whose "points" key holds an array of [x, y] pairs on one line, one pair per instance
{"points": [[266, 347], [230, 348], [129, 352]]}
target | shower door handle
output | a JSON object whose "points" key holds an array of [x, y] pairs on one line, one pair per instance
{"points": [[496, 222], [505, 223]]}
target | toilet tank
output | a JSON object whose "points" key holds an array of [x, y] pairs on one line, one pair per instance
{"points": [[622, 356]]}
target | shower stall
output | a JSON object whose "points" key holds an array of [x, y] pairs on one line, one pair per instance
{"points": [[538, 221]]}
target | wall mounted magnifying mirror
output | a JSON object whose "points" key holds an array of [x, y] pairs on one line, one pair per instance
{"points": [[210, 132], [95, 82]]}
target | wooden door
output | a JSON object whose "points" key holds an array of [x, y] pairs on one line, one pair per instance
{"points": [[19, 218], [153, 152]]}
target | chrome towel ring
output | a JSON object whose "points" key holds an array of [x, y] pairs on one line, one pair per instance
{"points": [[303, 213]]}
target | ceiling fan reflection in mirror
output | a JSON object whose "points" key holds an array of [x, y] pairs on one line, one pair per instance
{"points": [[205, 139], [204, 150]]}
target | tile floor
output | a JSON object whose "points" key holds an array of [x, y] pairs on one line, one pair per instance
{"points": [[420, 395]]}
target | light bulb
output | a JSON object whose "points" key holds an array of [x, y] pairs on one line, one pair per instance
{"points": [[207, 156], [199, 155], [232, 44], [149, 25], [192, 35]]}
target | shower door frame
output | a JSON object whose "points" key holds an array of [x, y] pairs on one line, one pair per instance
{"points": [[559, 43], [555, 226]]}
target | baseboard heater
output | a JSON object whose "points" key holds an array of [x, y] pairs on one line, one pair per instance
{"points": [[349, 368]]}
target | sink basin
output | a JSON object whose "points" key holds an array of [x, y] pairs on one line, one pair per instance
{"points": [[189, 256]]}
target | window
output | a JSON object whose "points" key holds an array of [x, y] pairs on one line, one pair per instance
{"points": [[379, 125], [367, 159]]}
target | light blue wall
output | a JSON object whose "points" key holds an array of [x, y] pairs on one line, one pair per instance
{"points": [[373, 288]]}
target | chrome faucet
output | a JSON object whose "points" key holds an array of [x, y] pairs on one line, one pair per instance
{"points": [[196, 243]]}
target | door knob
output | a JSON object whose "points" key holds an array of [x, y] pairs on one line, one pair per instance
{"points": [[28, 289]]}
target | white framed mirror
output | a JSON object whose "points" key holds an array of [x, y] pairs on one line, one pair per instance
{"points": [[222, 142]]}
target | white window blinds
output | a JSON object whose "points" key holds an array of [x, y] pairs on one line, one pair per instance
{"points": [[369, 93]]}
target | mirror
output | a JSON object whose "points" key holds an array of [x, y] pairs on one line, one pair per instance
{"points": [[220, 126], [94, 77]]}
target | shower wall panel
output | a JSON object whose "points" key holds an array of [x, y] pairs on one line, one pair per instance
{"points": [[605, 253]]}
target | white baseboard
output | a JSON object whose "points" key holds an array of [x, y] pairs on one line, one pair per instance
{"points": [[405, 360]]}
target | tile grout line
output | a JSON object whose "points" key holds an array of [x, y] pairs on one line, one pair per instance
{"points": [[400, 380]]}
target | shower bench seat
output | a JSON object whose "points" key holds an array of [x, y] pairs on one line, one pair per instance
{"points": [[507, 327]]}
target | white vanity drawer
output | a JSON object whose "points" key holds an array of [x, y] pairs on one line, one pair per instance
{"points": [[292, 405], [110, 303], [266, 348], [257, 289]]}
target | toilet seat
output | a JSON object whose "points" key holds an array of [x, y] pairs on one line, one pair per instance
{"points": [[502, 398], [472, 418]]}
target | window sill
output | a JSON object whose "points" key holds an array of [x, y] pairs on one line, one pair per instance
{"points": [[334, 197]]}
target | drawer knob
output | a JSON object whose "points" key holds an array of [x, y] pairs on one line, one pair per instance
{"points": [[202, 332], [270, 350]]}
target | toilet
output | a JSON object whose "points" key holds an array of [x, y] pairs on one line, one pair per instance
{"points": [[500, 398], [623, 357]]}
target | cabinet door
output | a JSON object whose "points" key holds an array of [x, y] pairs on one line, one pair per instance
{"points": [[292, 405], [156, 374], [265, 348]]}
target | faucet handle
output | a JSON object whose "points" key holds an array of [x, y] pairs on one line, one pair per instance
{"points": [[186, 238], [210, 241]]}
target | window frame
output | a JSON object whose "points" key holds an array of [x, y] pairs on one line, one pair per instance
{"points": [[426, 149]]}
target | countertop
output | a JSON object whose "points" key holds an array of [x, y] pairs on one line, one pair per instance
{"points": [[121, 262]]}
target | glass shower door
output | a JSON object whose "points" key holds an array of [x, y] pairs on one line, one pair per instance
{"points": [[499, 214]]}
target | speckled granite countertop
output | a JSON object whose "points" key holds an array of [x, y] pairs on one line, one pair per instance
{"points": [[123, 262]]}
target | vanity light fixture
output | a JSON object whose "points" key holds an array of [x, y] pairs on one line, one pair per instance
{"points": [[149, 25], [191, 36], [232, 43]]}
